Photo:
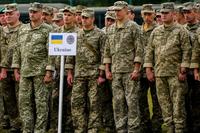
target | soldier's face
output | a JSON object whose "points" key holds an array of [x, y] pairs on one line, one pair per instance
{"points": [[189, 15], [59, 22], [78, 18], [109, 21], [68, 18], [12, 17], [148, 17], [167, 17], [35, 15], [87, 21], [3, 19], [131, 15], [47, 18], [121, 14], [158, 19]]}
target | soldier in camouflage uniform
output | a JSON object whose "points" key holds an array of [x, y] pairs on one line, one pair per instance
{"points": [[124, 51], [79, 9], [88, 72], [30, 63], [192, 101], [109, 20], [154, 124], [2, 17], [168, 53], [158, 17], [9, 86], [58, 19], [180, 16]]}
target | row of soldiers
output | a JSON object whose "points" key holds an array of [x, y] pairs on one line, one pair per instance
{"points": [[106, 83]]}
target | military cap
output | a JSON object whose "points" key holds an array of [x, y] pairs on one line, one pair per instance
{"points": [[197, 6], [87, 13], [61, 10], [110, 8], [58, 16], [131, 8], [120, 5], [69, 9], [110, 14], [10, 7], [48, 10], [158, 12], [147, 8], [188, 6], [179, 9], [2, 10], [167, 7], [79, 8], [36, 6]]}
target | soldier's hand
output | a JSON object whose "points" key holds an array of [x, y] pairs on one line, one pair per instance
{"points": [[196, 74], [48, 77], [150, 75], [108, 75], [182, 74], [100, 80], [17, 75], [3, 73], [70, 79], [135, 75]]}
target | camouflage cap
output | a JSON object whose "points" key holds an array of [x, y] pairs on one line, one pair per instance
{"points": [[61, 10], [79, 8], [58, 16], [36, 6], [147, 8], [87, 13], [188, 6], [158, 12], [69, 9], [2, 10], [110, 14], [48, 10], [11, 7], [120, 5], [197, 6], [179, 9], [167, 7], [131, 8], [110, 8]]}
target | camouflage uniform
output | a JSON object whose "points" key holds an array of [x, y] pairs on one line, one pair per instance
{"points": [[154, 124], [31, 57], [86, 104], [122, 49], [169, 49], [192, 97]]}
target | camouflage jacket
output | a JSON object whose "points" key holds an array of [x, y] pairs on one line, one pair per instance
{"points": [[10, 35], [123, 47], [89, 53], [169, 49], [31, 55]]}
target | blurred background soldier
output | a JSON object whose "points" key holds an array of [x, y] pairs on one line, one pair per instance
{"points": [[148, 125], [131, 14], [109, 19], [79, 9], [9, 85], [2, 17], [158, 17], [180, 15], [123, 51], [192, 98], [30, 63], [168, 53], [58, 19]]}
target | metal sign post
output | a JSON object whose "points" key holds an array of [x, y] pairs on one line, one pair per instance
{"points": [[62, 44]]}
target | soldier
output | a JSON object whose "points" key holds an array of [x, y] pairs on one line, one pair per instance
{"points": [[30, 63], [123, 51], [109, 20], [2, 17], [131, 13], [47, 16], [197, 6], [58, 19], [10, 88], [192, 98], [153, 125], [158, 17], [169, 49], [79, 9], [180, 16], [88, 73]]}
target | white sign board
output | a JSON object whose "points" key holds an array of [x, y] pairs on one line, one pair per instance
{"points": [[62, 43]]}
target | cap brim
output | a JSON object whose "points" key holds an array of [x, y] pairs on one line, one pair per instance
{"points": [[33, 9], [7, 10], [165, 10], [187, 9], [117, 8], [110, 17], [147, 11]]}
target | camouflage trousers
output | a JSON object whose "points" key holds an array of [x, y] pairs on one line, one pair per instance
{"points": [[171, 96], [86, 105], [33, 104], [107, 109], [126, 103], [10, 95], [2, 111], [149, 125]]}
